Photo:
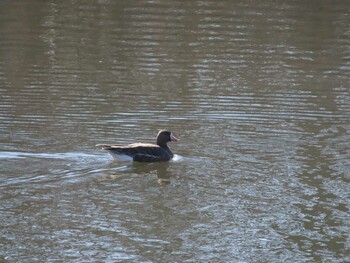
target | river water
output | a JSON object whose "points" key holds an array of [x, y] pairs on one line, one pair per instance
{"points": [[257, 91]]}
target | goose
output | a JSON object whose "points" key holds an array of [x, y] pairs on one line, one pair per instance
{"points": [[143, 152]]}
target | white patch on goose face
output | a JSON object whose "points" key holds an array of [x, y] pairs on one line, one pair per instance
{"points": [[121, 157]]}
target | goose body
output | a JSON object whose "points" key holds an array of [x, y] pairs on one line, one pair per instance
{"points": [[143, 152]]}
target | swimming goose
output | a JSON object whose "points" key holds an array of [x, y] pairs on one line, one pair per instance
{"points": [[143, 152]]}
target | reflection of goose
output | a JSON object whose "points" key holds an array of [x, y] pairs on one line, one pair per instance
{"points": [[143, 152], [158, 169]]}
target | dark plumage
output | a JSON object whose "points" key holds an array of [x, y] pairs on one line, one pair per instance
{"points": [[143, 152]]}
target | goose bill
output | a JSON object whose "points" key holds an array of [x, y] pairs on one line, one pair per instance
{"points": [[173, 138]]}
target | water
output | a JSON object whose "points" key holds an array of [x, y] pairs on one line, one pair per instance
{"points": [[258, 94]]}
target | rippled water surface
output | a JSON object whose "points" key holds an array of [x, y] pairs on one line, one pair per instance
{"points": [[257, 92]]}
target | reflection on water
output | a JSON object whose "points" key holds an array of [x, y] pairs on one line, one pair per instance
{"points": [[155, 170], [257, 92]]}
